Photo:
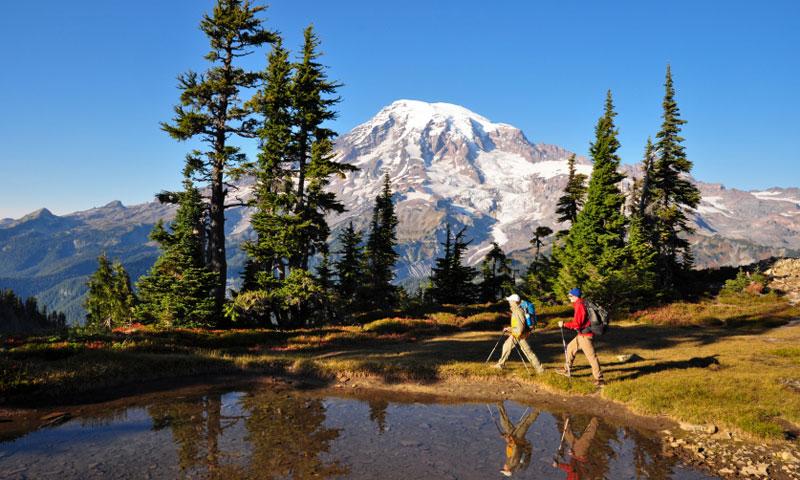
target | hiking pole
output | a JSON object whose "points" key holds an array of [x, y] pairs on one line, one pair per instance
{"points": [[564, 343], [495, 348], [518, 348], [561, 443]]}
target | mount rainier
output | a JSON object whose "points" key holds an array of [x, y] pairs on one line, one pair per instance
{"points": [[447, 165]]}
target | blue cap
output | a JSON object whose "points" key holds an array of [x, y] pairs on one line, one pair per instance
{"points": [[576, 292]]}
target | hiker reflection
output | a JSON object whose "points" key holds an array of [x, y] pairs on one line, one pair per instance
{"points": [[518, 448], [576, 450]]}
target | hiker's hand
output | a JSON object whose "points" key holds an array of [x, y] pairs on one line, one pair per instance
{"points": [[560, 324], [506, 330]]}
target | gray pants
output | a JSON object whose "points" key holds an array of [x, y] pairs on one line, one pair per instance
{"points": [[526, 349]]}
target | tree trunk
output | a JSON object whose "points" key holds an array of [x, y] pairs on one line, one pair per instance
{"points": [[217, 237]]}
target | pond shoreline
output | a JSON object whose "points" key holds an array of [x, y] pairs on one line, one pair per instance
{"points": [[718, 453]]}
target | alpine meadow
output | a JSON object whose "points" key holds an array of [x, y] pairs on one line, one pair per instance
{"points": [[299, 287]]}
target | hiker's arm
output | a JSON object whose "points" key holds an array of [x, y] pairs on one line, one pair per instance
{"points": [[580, 316]]}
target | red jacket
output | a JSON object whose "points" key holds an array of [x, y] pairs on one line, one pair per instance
{"points": [[581, 320]]}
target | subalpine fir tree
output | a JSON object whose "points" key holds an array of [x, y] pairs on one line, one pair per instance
{"points": [[496, 273], [451, 281], [571, 202], [672, 193], [313, 101], [593, 254], [178, 289], [110, 300], [380, 256], [211, 110], [540, 234], [295, 164], [349, 267], [274, 220]]}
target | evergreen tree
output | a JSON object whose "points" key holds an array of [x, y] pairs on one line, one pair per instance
{"points": [[539, 234], [212, 111], [274, 221], [349, 266], [672, 192], [496, 272], [295, 164], [23, 316], [451, 281], [178, 289], [326, 284], [645, 196], [313, 102], [380, 255], [110, 300], [571, 202], [593, 255], [638, 287]]}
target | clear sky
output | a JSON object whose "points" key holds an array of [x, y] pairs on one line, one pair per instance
{"points": [[83, 85]]}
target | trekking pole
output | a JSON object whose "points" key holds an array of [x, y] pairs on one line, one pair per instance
{"points": [[495, 348], [560, 443], [518, 348], [566, 362]]}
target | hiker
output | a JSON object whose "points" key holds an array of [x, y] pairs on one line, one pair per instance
{"points": [[583, 340], [578, 451], [518, 448], [517, 333]]}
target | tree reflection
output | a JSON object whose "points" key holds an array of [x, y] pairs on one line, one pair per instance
{"points": [[377, 413], [288, 436], [196, 425], [278, 436]]}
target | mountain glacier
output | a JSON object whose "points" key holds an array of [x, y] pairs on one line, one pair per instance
{"points": [[447, 165]]}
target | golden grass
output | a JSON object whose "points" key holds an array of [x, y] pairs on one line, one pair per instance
{"points": [[721, 361]]}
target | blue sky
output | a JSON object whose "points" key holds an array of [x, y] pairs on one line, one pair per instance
{"points": [[85, 84]]}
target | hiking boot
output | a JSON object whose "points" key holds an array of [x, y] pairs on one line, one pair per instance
{"points": [[563, 371], [599, 382], [498, 366], [540, 371]]}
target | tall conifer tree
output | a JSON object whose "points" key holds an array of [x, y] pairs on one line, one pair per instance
{"points": [[178, 289], [451, 281], [211, 109], [110, 300], [496, 272], [672, 192], [570, 203], [593, 253], [313, 101], [380, 255], [348, 267]]}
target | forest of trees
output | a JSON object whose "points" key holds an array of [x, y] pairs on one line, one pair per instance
{"points": [[625, 249], [24, 316]]}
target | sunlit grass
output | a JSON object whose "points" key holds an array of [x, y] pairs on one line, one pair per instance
{"points": [[720, 361]]}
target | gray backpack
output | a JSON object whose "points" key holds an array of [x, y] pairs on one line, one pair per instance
{"points": [[598, 317]]}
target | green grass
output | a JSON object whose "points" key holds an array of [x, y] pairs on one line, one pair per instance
{"points": [[720, 361]]}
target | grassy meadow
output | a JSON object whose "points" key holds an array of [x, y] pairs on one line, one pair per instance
{"points": [[733, 361]]}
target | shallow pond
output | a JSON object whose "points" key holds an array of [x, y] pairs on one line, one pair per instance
{"points": [[269, 432]]}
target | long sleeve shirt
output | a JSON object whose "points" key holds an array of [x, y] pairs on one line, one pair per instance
{"points": [[580, 321], [517, 321]]}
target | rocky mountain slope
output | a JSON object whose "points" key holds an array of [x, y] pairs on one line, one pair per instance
{"points": [[447, 164]]}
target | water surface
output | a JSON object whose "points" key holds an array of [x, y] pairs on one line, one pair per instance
{"points": [[268, 433]]}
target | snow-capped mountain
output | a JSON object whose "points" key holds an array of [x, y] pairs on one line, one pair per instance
{"points": [[447, 165]]}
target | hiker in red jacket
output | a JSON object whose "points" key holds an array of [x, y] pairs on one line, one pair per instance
{"points": [[583, 340]]}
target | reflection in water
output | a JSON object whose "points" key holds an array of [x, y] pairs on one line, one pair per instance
{"points": [[377, 413], [269, 434], [518, 448]]}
